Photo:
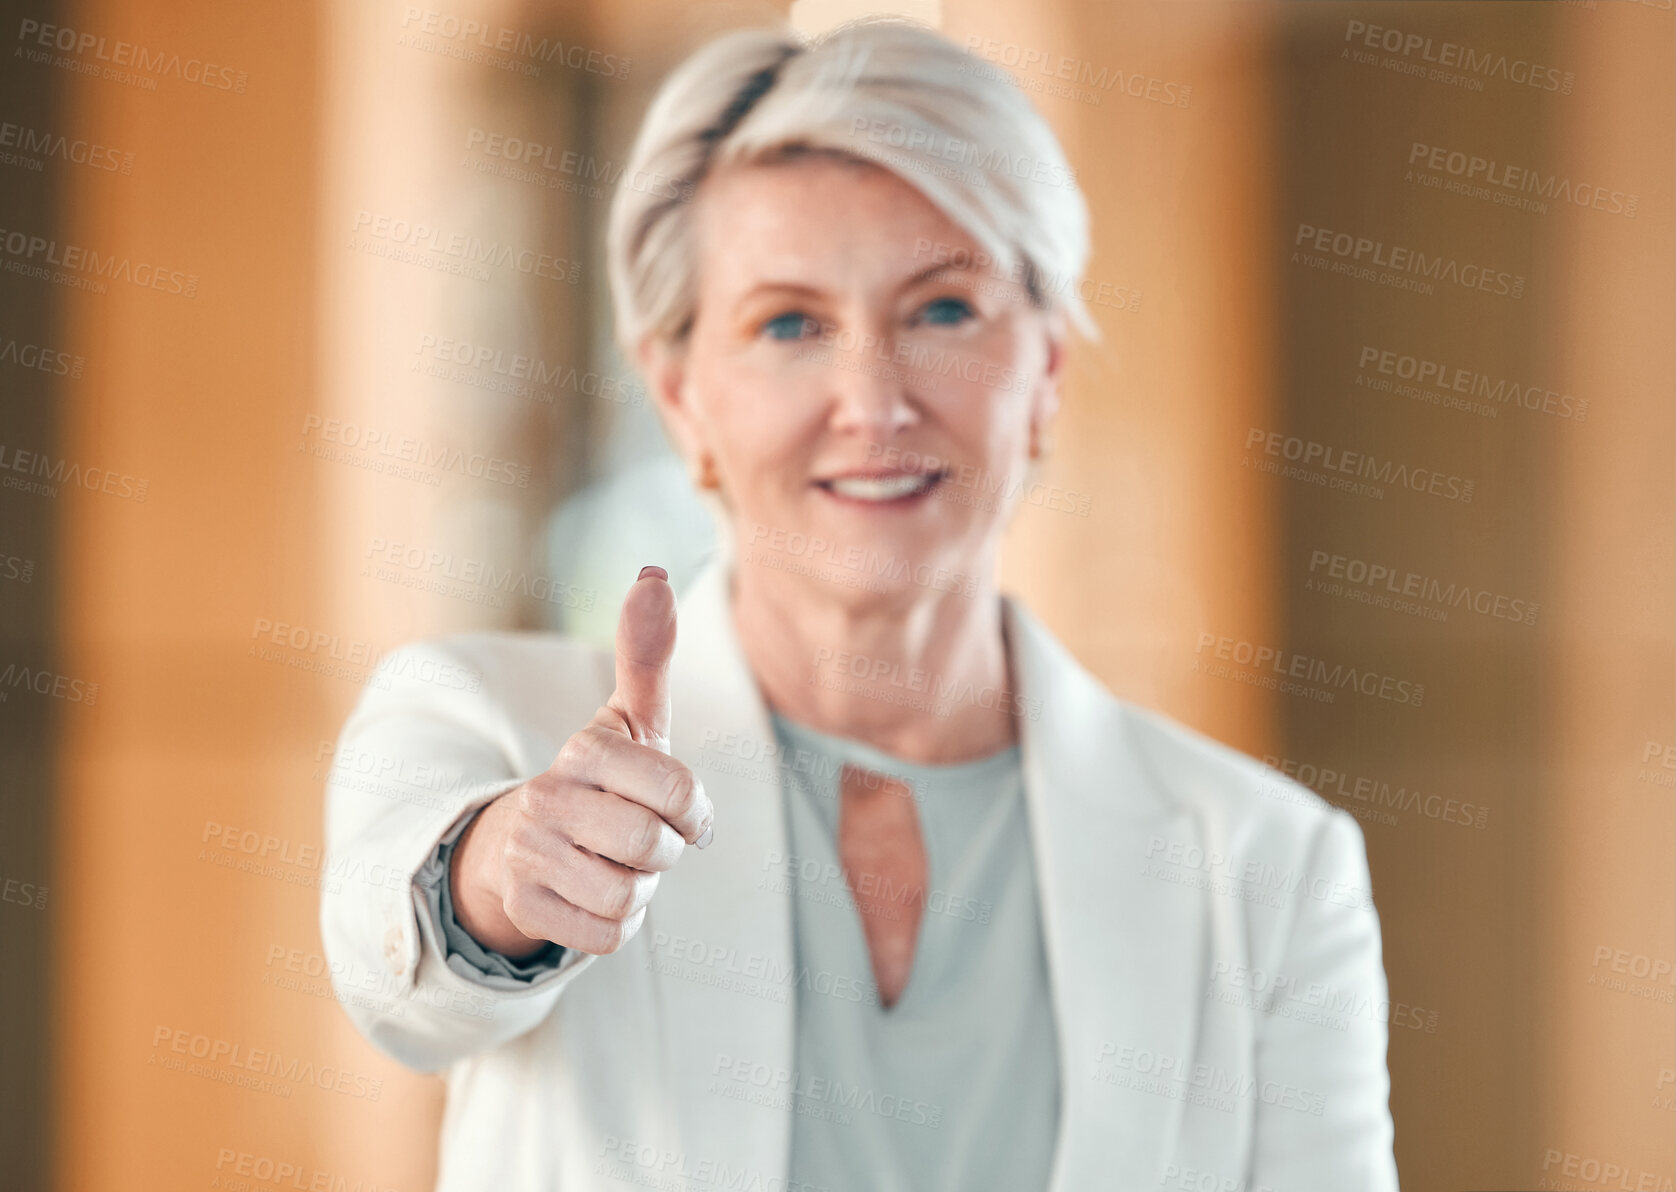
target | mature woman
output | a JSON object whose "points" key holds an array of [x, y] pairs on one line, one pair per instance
{"points": [[956, 916]]}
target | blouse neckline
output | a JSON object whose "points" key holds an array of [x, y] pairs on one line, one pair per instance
{"points": [[922, 776]]}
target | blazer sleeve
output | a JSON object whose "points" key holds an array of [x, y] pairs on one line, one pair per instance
{"points": [[454, 943], [423, 750], [1323, 1116]]}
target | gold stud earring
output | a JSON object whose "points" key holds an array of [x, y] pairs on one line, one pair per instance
{"points": [[1041, 444], [704, 476]]}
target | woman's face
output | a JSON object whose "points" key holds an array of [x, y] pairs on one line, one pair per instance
{"points": [[869, 395]]}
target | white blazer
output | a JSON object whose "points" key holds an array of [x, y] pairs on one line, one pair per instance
{"points": [[1212, 946]]}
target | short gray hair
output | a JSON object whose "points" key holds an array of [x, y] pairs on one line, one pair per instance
{"points": [[885, 91]]}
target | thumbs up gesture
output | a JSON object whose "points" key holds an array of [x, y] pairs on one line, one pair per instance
{"points": [[573, 855]]}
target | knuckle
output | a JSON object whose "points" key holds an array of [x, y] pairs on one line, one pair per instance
{"points": [[543, 801], [643, 839], [524, 797], [577, 753], [680, 792], [519, 906], [618, 900], [522, 848], [543, 797], [608, 937], [513, 850]]}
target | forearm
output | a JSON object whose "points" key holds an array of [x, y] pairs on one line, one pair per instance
{"points": [[430, 1008]]}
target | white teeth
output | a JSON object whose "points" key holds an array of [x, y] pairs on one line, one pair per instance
{"points": [[888, 488]]}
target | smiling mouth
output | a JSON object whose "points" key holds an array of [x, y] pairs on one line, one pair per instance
{"points": [[885, 488]]}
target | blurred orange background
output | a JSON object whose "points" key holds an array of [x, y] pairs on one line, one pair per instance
{"points": [[228, 589]]}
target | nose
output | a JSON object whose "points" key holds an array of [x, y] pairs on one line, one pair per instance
{"points": [[870, 394]]}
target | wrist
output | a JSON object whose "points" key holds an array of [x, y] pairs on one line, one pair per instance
{"points": [[477, 891]]}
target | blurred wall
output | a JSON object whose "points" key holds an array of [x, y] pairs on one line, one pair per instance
{"points": [[1444, 769], [37, 369], [1605, 700], [1492, 386], [202, 363], [304, 331]]}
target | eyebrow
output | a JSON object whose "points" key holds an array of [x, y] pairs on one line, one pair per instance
{"points": [[794, 287]]}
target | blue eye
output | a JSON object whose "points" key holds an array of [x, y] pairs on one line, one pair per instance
{"points": [[789, 326], [946, 311]]}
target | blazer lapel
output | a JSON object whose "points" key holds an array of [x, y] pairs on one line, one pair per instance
{"points": [[723, 952], [1125, 947]]}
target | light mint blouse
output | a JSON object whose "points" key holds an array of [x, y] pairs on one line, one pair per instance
{"points": [[956, 1086]]}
